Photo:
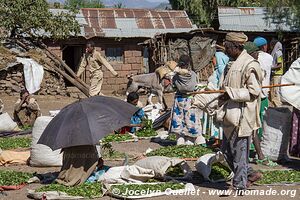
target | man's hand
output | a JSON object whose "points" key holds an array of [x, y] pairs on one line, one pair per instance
{"points": [[116, 75], [25, 97]]}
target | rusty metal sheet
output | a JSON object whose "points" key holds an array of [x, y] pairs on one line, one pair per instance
{"points": [[98, 31], [157, 20], [119, 13], [107, 19], [93, 19], [89, 32], [180, 19], [103, 22], [143, 19], [247, 11], [166, 19], [129, 13]]}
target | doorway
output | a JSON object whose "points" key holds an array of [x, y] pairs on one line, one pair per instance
{"points": [[72, 55]]}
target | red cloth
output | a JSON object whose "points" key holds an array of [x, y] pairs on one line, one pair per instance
{"points": [[124, 130], [12, 187]]}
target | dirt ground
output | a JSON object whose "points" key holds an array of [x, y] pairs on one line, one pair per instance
{"points": [[137, 148]]}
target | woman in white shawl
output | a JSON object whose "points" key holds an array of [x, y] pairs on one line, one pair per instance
{"points": [[292, 96]]}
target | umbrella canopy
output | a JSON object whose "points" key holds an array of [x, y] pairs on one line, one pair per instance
{"points": [[87, 121]]}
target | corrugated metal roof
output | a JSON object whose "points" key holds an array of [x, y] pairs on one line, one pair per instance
{"points": [[134, 22], [249, 19], [112, 22]]}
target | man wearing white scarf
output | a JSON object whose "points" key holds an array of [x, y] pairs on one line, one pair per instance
{"points": [[239, 108]]}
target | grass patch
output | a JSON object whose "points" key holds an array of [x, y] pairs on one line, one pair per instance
{"points": [[139, 188], [15, 142], [8, 177], [280, 176], [181, 151], [87, 190]]}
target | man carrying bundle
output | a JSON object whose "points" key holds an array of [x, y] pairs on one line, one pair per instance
{"points": [[238, 108]]}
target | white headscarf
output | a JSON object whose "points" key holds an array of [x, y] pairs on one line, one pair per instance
{"points": [[277, 50]]}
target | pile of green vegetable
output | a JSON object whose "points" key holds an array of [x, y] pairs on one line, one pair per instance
{"points": [[175, 171], [147, 130], [182, 151], [15, 142], [116, 138], [87, 190], [138, 188], [171, 137], [26, 127], [280, 176], [219, 171], [8, 177]]}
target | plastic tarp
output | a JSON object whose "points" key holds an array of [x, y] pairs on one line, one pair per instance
{"points": [[33, 74]]}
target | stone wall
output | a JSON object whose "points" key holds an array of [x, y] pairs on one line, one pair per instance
{"points": [[12, 81]]}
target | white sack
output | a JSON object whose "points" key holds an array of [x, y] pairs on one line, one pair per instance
{"points": [[276, 132], [126, 174], [6, 123], [42, 155], [205, 162], [159, 164]]}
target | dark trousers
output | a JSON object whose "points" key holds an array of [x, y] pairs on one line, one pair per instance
{"points": [[236, 151]]}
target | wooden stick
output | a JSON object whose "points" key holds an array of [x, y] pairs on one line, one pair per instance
{"points": [[76, 83], [278, 85], [80, 86], [223, 91], [59, 61]]}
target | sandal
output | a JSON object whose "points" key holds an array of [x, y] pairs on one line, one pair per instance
{"points": [[266, 161]]}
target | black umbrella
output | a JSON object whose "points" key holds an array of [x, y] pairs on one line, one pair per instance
{"points": [[87, 121]]}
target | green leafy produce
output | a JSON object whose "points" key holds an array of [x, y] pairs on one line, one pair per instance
{"points": [[8, 177], [147, 130], [219, 171], [15, 142], [171, 137], [116, 138], [280, 176], [26, 127], [152, 180], [87, 190], [122, 189], [175, 171], [182, 151]]}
